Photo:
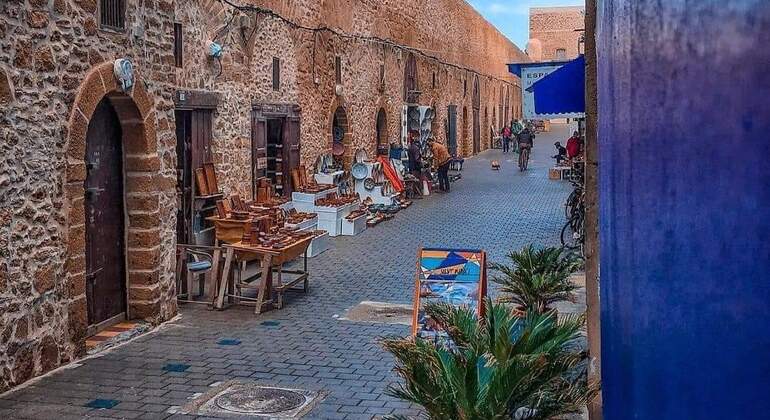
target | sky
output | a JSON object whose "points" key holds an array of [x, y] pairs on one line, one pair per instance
{"points": [[511, 17]]}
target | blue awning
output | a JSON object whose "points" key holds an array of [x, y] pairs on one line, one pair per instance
{"points": [[562, 91]]}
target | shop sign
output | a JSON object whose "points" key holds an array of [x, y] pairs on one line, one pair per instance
{"points": [[530, 75]]}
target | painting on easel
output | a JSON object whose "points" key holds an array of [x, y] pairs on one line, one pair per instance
{"points": [[454, 276]]}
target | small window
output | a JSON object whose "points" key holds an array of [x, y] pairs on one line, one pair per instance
{"points": [[276, 73], [178, 45], [561, 54], [434, 80], [382, 73], [338, 70], [112, 14], [465, 87]]}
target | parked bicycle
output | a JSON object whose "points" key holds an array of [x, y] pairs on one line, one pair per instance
{"points": [[573, 232]]}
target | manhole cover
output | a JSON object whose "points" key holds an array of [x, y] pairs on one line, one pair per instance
{"points": [[247, 399], [260, 400]]}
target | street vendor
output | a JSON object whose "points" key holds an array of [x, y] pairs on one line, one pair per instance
{"points": [[573, 146], [415, 157], [441, 161]]}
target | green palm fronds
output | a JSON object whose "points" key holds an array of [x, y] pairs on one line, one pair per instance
{"points": [[495, 367], [537, 279]]}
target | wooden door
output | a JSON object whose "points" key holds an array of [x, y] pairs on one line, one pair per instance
{"points": [[476, 132], [291, 156], [201, 133], [258, 150], [184, 177], [452, 128], [105, 217]]}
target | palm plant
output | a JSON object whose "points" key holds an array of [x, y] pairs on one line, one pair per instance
{"points": [[537, 279], [499, 367]]}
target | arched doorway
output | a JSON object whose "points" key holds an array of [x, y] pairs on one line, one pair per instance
{"points": [[476, 117], [382, 133], [112, 134], [507, 120], [104, 221], [465, 131], [340, 136], [411, 82]]}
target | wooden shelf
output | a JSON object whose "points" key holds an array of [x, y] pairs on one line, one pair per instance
{"points": [[209, 197]]}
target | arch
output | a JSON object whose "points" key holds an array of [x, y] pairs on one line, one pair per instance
{"points": [[411, 81], [465, 131], [476, 93], [476, 101], [381, 147], [340, 133], [143, 185]]}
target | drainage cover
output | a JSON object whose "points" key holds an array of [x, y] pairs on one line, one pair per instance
{"points": [[239, 399], [259, 400]]}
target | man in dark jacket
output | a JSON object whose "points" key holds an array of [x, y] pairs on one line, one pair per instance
{"points": [[415, 158]]}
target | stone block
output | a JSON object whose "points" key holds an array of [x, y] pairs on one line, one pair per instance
{"points": [[148, 311], [77, 319], [143, 294], [49, 354], [143, 163], [144, 203], [75, 285], [76, 240], [44, 59], [144, 221], [45, 278], [143, 278], [78, 129], [76, 171], [143, 259], [143, 238], [76, 263], [90, 94]]}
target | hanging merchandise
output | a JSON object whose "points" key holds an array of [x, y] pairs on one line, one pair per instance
{"points": [[390, 174]]}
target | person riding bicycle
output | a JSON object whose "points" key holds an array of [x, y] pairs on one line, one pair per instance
{"points": [[526, 141]]}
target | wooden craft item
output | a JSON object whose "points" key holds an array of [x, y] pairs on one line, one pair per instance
{"points": [[238, 204], [296, 179], [211, 178], [303, 175], [200, 179], [221, 210]]}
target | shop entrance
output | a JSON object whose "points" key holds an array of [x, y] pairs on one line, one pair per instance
{"points": [[452, 129], [465, 131], [341, 148], [476, 117], [382, 134], [275, 145], [105, 218], [194, 115]]}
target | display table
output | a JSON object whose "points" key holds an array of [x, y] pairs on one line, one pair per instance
{"points": [[269, 258], [330, 218], [330, 178], [228, 230], [305, 202]]}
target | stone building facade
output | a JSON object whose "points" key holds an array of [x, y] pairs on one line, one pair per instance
{"points": [[56, 77], [554, 32]]}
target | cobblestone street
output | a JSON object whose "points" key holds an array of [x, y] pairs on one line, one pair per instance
{"points": [[304, 346]]}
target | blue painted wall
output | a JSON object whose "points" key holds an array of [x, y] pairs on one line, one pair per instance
{"points": [[684, 145]]}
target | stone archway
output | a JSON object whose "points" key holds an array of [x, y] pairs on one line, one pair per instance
{"points": [[381, 147], [340, 133], [143, 188]]}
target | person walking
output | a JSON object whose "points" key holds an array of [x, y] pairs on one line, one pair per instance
{"points": [[506, 139], [441, 161]]}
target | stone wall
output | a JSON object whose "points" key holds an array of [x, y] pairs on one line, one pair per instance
{"points": [[55, 64], [50, 82], [553, 28], [458, 46]]}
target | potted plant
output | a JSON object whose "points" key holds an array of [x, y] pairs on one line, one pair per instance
{"points": [[499, 367], [537, 279]]}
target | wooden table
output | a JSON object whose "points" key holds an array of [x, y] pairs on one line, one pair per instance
{"points": [[269, 258]]}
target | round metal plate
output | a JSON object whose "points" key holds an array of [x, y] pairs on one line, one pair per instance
{"points": [[260, 400]]}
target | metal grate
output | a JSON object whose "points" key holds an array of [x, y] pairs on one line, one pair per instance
{"points": [[276, 73], [178, 58], [113, 14]]}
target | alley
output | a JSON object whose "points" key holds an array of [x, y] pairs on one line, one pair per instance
{"points": [[305, 345]]}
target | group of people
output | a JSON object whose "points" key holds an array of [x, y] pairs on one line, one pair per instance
{"points": [[519, 133], [441, 161], [574, 148]]}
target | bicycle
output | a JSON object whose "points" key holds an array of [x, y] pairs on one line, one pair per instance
{"points": [[524, 157]]}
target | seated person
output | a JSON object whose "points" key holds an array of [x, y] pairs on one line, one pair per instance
{"points": [[561, 153]]}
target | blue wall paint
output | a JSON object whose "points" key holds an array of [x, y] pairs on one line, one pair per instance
{"points": [[684, 139]]}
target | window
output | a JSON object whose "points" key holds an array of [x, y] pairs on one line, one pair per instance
{"points": [[434, 80], [465, 87], [178, 45], [276, 73], [338, 70], [561, 54], [112, 14]]}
